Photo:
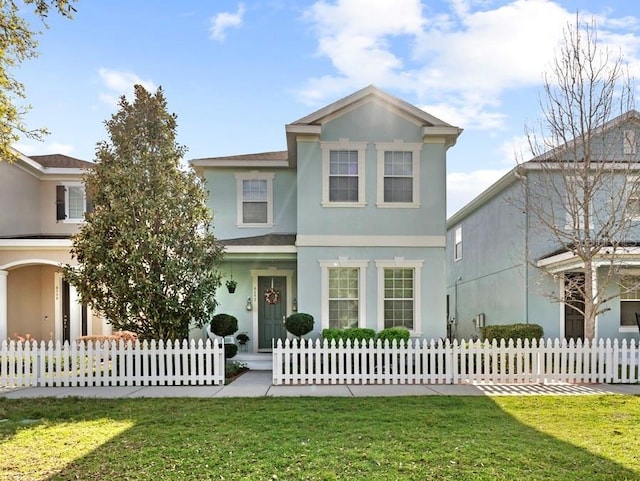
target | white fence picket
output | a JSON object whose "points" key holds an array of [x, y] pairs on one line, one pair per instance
{"points": [[429, 362], [101, 363]]}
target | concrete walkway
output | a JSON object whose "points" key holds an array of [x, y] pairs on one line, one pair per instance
{"points": [[258, 384]]}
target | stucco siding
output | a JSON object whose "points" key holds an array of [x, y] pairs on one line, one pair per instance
{"points": [[21, 191]]}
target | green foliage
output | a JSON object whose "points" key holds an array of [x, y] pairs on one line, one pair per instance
{"points": [[230, 350], [147, 260], [399, 334], [299, 323], [17, 44], [223, 324], [349, 334], [512, 331]]}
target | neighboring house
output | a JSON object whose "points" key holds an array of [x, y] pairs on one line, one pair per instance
{"points": [[43, 203], [348, 224], [489, 278]]}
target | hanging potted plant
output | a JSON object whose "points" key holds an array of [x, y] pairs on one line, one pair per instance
{"points": [[231, 285]]}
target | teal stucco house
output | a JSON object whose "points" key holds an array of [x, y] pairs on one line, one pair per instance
{"points": [[347, 224], [505, 266]]}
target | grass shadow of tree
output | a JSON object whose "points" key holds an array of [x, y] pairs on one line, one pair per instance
{"points": [[435, 437]]}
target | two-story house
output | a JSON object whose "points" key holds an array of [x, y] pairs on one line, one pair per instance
{"points": [[504, 266], [348, 224], [43, 203]]}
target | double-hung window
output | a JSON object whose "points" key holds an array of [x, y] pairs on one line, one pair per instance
{"points": [[343, 291], [71, 202], [399, 294], [343, 173], [398, 174], [255, 199], [629, 300]]}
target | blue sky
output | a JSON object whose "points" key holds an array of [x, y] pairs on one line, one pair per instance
{"points": [[236, 72]]}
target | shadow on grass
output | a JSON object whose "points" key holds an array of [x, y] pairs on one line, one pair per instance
{"points": [[443, 438]]}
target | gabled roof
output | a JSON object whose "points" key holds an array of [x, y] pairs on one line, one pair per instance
{"points": [[317, 117], [312, 123], [60, 161], [536, 163], [262, 159]]}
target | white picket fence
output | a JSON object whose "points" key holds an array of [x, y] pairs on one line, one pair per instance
{"points": [[111, 363], [442, 362]]}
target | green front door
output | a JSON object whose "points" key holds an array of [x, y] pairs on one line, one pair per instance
{"points": [[272, 310]]}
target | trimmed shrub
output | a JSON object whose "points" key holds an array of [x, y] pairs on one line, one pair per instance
{"points": [[230, 350], [349, 334], [299, 323], [399, 334], [512, 331], [223, 325]]}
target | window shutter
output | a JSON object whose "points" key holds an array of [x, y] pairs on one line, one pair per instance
{"points": [[60, 208]]}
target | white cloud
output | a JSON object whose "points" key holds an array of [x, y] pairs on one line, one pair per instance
{"points": [[222, 21], [460, 61], [119, 84], [45, 148], [462, 187]]}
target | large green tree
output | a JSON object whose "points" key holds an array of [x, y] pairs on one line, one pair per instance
{"points": [[17, 44], [147, 259]]}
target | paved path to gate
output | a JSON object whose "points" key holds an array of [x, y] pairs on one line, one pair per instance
{"points": [[258, 384]]}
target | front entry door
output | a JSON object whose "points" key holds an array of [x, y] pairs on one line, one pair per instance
{"points": [[272, 309], [574, 320]]}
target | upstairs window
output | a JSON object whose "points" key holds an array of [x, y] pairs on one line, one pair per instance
{"points": [[343, 164], [398, 174], [343, 176], [71, 203], [629, 142], [398, 177], [255, 199]]}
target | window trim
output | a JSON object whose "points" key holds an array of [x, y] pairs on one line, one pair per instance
{"points": [[345, 262], [398, 145], [568, 219], [343, 144], [627, 327], [402, 263], [254, 175], [67, 217], [629, 143], [457, 241]]}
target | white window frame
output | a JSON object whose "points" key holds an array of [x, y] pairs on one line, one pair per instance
{"points": [[628, 297], [343, 262], [254, 175], [398, 145], [457, 236], [402, 263], [635, 198], [67, 187], [629, 144], [343, 144]]}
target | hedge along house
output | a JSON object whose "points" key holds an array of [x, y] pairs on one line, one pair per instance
{"points": [[348, 224], [497, 249], [44, 203]]}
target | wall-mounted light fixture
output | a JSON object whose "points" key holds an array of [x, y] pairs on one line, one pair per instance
{"points": [[249, 305], [294, 305]]}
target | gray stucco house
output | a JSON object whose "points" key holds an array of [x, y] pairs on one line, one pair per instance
{"points": [[347, 224], [497, 248]]}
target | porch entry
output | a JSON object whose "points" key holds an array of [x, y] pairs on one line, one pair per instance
{"points": [[272, 309], [66, 314], [574, 320]]}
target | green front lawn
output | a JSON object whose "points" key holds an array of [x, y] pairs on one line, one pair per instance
{"points": [[416, 438]]}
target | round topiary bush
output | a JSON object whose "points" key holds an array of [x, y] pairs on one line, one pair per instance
{"points": [[223, 325], [230, 350], [299, 323]]}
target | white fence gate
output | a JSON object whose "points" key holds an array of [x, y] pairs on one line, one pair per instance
{"points": [[111, 363], [437, 362]]}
